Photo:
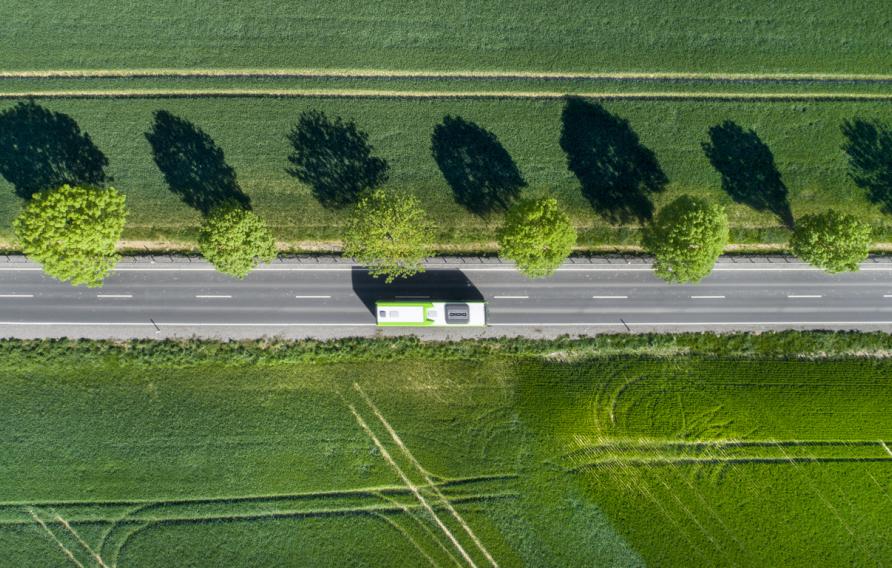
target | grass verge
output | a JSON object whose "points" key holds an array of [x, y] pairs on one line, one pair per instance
{"points": [[251, 133]]}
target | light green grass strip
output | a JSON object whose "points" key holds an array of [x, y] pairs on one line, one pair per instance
{"points": [[429, 74], [373, 93]]}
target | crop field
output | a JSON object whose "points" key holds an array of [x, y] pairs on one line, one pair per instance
{"points": [[236, 76], [491, 460], [676, 35], [286, 465], [730, 462]]}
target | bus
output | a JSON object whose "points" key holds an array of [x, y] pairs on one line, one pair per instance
{"points": [[431, 314]]}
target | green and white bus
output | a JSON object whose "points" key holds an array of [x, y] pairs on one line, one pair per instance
{"points": [[431, 314]]}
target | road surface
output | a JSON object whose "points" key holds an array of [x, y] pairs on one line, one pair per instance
{"points": [[334, 300]]}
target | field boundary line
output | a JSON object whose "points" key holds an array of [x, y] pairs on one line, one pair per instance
{"points": [[53, 536], [386, 455], [399, 442], [885, 447], [348, 73], [405, 94]]}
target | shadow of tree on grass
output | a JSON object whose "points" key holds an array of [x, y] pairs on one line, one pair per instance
{"points": [[481, 173], [869, 147], [616, 171], [334, 158], [193, 165], [749, 175], [41, 149]]}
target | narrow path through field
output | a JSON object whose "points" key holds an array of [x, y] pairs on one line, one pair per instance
{"points": [[424, 473], [68, 554], [407, 94], [323, 73], [412, 487], [605, 452], [81, 541]]}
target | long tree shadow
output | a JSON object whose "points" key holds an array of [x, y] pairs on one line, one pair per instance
{"points": [[618, 174], [334, 158], [749, 175], [481, 173], [869, 146], [41, 149], [193, 165]]}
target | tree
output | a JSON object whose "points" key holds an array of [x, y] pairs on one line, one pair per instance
{"points": [[390, 234], [73, 231], [235, 240], [832, 241], [537, 236], [686, 238]]}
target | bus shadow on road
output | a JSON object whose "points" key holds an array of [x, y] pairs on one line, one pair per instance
{"points": [[446, 284]]}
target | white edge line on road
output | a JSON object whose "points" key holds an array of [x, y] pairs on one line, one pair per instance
{"points": [[511, 297], [213, 296], [114, 295], [703, 323], [16, 295], [312, 297], [610, 297], [523, 324], [707, 297], [804, 296]]}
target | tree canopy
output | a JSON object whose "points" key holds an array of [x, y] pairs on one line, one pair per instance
{"points": [[686, 238], [73, 232], [389, 233], [832, 241], [235, 240], [537, 236]]}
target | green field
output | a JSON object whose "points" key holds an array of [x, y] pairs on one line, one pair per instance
{"points": [[242, 72], [257, 458], [678, 35], [729, 462], [804, 137]]}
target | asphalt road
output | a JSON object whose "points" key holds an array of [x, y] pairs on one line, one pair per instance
{"points": [[143, 300]]}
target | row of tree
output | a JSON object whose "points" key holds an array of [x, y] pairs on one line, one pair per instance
{"points": [[73, 232]]}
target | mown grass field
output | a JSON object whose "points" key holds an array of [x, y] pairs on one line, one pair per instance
{"points": [[804, 137], [677, 35], [562, 460]]}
